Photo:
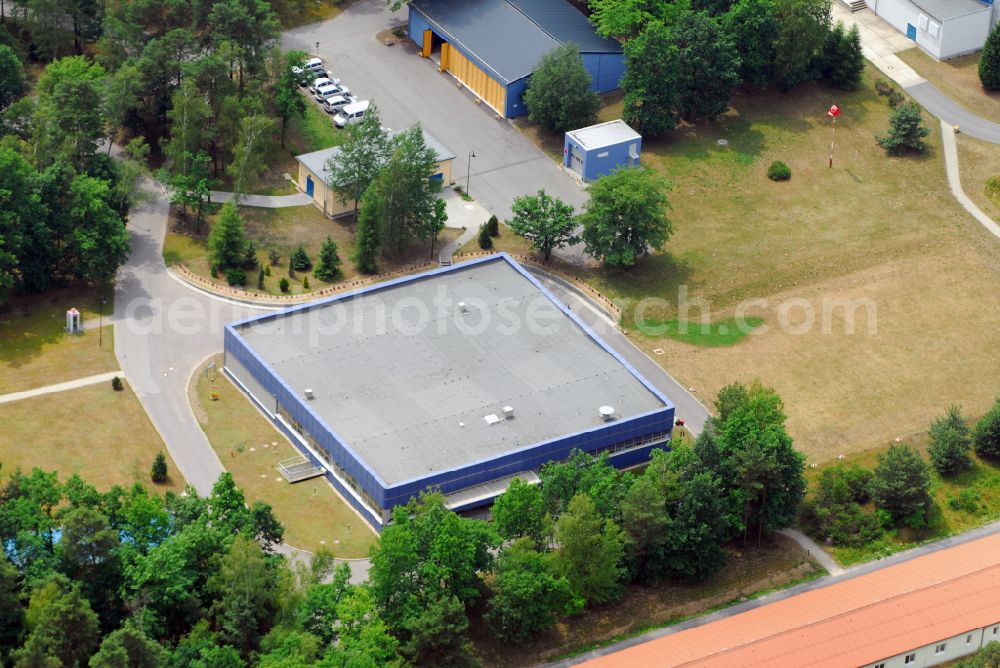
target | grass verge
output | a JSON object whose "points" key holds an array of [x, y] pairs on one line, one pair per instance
{"points": [[36, 350], [103, 435], [726, 332], [314, 515]]}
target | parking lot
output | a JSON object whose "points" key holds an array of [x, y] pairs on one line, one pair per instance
{"points": [[408, 89]]}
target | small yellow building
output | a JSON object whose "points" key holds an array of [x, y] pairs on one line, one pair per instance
{"points": [[314, 177]]}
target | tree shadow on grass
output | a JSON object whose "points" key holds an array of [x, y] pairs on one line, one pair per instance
{"points": [[657, 275]]}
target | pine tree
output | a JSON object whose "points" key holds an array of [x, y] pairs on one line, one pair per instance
{"points": [[485, 240], [987, 434], [989, 62], [329, 261], [250, 256], [494, 226], [260, 279], [300, 260], [366, 238], [843, 60], [951, 441], [906, 130], [227, 241], [159, 470]]}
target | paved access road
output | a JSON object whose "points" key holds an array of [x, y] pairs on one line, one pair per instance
{"points": [[408, 89], [949, 111]]}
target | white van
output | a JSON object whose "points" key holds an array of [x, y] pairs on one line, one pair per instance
{"points": [[327, 90], [334, 104], [352, 113]]}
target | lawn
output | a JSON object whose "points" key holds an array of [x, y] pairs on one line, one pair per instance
{"points": [[727, 332], [978, 161], [920, 277], [313, 513], [103, 435], [507, 242], [36, 350], [983, 481], [958, 78], [751, 572], [283, 230]]}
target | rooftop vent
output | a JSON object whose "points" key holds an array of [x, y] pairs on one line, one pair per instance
{"points": [[491, 418], [309, 393], [607, 413], [463, 307], [508, 412]]}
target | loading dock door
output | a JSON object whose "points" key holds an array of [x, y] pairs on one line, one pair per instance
{"points": [[576, 159], [491, 91]]}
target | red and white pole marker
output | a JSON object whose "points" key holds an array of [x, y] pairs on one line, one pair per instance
{"points": [[833, 113]]}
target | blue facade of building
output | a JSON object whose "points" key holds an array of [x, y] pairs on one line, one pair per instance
{"points": [[598, 150], [628, 440]]}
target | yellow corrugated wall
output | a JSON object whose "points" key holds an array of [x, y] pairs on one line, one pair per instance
{"points": [[478, 81]]}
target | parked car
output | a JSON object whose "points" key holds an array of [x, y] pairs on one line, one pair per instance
{"points": [[330, 90], [352, 113], [311, 69], [334, 104], [322, 81]]}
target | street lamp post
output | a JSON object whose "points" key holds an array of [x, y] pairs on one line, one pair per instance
{"points": [[468, 171], [317, 49]]}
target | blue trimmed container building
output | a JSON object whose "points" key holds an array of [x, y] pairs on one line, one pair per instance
{"points": [[599, 149], [493, 46]]}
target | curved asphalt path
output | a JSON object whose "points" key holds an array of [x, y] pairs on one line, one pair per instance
{"points": [[942, 106]]}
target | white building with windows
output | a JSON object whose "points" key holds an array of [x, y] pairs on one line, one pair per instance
{"points": [[943, 28]]}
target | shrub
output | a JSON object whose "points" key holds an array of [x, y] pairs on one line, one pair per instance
{"points": [[987, 433], [896, 98], [779, 171], [260, 279], [989, 61], [967, 500], [906, 131], [214, 271], [117, 385], [485, 240], [158, 472], [900, 484], [993, 189], [305, 282], [837, 511], [273, 257], [329, 261], [494, 226], [950, 443], [236, 276], [883, 87], [283, 284], [300, 260], [250, 261], [267, 270]]}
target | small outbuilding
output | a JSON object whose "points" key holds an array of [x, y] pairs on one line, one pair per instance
{"points": [[595, 151], [943, 28], [314, 177]]}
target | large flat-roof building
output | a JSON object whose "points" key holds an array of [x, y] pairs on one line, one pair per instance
{"points": [[493, 46], [457, 379]]}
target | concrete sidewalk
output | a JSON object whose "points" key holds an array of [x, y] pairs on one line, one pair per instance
{"points": [[263, 201], [61, 387], [461, 214], [955, 181]]}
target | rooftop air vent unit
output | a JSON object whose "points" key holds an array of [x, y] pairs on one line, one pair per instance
{"points": [[508, 412], [607, 413], [463, 307], [309, 393]]}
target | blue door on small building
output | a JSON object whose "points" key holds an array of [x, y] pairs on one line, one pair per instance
{"points": [[310, 186], [911, 31], [438, 177]]}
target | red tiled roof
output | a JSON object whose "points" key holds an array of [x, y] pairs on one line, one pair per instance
{"points": [[851, 623]]}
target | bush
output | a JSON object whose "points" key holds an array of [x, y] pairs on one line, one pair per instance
{"points": [[250, 261], [236, 276], [883, 87], [305, 282], [906, 131], [283, 284], [993, 189], [967, 500], [214, 271], [273, 257], [896, 98], [493, 225], [260, 279], [485, 240], [117, 385], [300, 260], [989, 61], [837, 512], [987, 434], [267, 270], [779, 171], [158, 472]]}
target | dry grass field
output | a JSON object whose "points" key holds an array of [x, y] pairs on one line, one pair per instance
{"points": [[314, 515], [978, 161], [884, 233], [103, 435], [36, 350]]}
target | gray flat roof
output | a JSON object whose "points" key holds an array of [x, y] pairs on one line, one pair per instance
{"points": [[945, 10], [316, 161], [497, 33], [566, 23], [414, 399], [604, 134]]}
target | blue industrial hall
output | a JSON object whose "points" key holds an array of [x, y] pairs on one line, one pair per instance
{"points": [[493, 46], [597, 150], [459, 380]]}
